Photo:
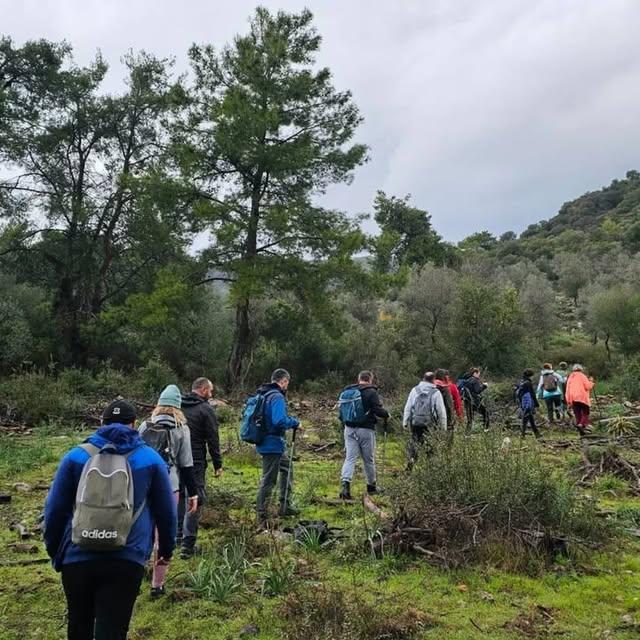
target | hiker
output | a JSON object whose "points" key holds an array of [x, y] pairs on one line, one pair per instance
{"points": [[203, 429], [527, 403], [273, 447], [471, 388], [550, 390], [101, 566], [579, 396], [166, 431], [443, 386], [424, 412], [360, 408], [455, 395], [564, 373]]}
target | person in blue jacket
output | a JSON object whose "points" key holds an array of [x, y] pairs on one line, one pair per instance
{"points": [[101, 587], [273, 448]]}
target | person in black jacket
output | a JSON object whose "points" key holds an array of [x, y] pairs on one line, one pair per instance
{"points": [[203, 425], [528, 403], [472, 392], [360, 436]]}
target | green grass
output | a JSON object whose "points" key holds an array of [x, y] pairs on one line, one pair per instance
{"points": [[584, 601]]}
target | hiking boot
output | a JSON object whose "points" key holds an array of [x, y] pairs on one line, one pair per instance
{"points": [[345, 492], [371, 488], [188, 552], [288, 510], [157, 592]]}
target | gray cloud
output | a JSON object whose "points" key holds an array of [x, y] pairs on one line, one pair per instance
{"points": [[491, 114]]}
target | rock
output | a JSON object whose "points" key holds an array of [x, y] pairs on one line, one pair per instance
{"points": [[488, 597], [22, 486], [627, 620], [249, 630]]}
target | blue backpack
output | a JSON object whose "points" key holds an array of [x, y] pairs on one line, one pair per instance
{"points": [[253, 428], [350, 406]]}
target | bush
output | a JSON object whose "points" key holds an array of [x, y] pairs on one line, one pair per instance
{"points": [[474, 492], [150, 380], [333, 613], [35, 397], [592, 356], [627, 382]]}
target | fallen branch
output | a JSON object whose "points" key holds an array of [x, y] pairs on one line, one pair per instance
{"points": [[375, 509]]}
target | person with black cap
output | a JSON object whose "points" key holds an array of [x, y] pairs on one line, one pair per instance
{"points": [[102, 569]]}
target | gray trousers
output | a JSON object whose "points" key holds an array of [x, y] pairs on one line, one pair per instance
{"points": [[188, 523], [359, 443], [272, 464]]}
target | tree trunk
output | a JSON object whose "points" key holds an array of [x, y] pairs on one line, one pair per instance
{"points": [[241, 348]]}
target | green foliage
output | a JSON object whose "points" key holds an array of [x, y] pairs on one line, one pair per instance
{"points": [[265, 132], [407, 237], [512, 486], [627, 381], [277, 576], [488, 331]]}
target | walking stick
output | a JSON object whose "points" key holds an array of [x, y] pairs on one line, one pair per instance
{"points": [[384, 454], [290, 470]]}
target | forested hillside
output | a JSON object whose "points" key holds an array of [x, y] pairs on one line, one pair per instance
{"points": [[102, 196]]}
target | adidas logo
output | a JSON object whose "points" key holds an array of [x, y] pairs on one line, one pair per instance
{"points": [[98, 534]]}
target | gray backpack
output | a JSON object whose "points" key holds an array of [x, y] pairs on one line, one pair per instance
{"points": [[423, 412], [103, 515]]}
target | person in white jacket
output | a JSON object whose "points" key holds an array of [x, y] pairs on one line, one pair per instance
{"points": [[424, 412]]}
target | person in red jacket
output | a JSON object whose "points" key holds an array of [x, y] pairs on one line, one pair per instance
{"points": [[455, 394]]}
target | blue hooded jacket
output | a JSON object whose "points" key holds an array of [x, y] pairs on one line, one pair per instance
{"points": [[276, 419], [150, 482]]}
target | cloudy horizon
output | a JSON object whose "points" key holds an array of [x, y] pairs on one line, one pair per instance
{"points": [[490, 115]]}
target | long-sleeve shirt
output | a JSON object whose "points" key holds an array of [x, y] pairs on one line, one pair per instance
{"points": [[203, 425], [277, 420]]}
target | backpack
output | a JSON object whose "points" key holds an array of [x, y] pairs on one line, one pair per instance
{"points": [[550, 382], [423, 411], [103, 514], [158, 438], [253, 428], [351, 408]]}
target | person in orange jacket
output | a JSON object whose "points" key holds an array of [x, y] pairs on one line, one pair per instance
{"points": [[578, 395]]}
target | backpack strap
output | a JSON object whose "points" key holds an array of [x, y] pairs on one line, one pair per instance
{"points": [[91, 449]]}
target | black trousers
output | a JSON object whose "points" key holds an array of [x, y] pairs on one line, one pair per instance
{"points": [[471, 409], [100, 598], [528, 418]]}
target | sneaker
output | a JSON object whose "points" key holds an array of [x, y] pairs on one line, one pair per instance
{"points": [[157, 592]]}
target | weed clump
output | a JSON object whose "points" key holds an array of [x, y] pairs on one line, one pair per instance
{"points": [[334, 614], [476, 499]]}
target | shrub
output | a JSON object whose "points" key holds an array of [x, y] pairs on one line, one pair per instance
{"points": [[336, 614], [277, 576], [592, 356], [627, 382], [151, 379], [34, 397], [473, 492]]}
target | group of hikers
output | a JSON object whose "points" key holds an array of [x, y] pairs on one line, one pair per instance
{"points": [[128, 495], [565, 394]]}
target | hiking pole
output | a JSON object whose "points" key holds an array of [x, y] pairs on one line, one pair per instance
{"points": [[290, 470], [384, 454]]}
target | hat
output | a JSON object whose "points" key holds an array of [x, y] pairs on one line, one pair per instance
{"points": [[170, 397], [119, 411], [577, 367]]}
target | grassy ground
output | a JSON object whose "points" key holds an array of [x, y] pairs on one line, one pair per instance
{"points": [[599, 597]]}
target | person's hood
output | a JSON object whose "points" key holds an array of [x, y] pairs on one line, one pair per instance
{"points": [[192, 399], [164, 420], [423, 385], [122, 436], [270, 386], [546, 371]]}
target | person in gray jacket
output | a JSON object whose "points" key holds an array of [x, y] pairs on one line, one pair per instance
{"points": [[424, 412]]}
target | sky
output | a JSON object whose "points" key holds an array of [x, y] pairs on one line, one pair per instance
{"points": [[490, 114]]}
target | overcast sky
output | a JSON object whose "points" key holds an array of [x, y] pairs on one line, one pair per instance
{"points": [[491, 114]]}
